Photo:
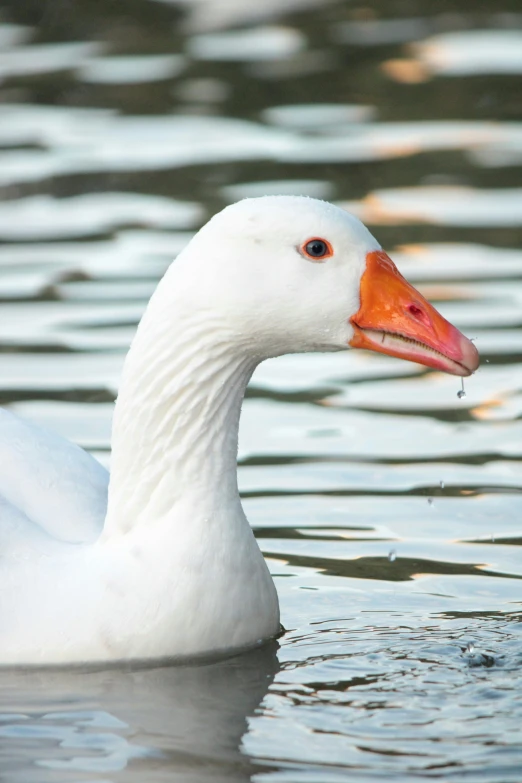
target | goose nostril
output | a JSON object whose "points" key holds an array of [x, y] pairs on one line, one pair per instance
{"points": [[415, 311]]}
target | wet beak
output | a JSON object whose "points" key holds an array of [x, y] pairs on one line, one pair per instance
{"points": [[395, 319]]}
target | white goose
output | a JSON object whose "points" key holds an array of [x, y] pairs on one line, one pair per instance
{"points": [[169, 567]]}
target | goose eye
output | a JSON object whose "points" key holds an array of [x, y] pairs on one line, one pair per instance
{"points": [[317, 249]]}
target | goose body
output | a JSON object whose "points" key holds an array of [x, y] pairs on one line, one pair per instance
{"points": [[159, 561]]}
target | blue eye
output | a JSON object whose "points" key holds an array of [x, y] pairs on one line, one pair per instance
{"points": [[317, 249]]}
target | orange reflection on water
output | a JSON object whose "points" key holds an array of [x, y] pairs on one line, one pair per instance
{"points": [[406, 71]]}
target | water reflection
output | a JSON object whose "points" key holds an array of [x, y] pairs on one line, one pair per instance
{"points": [[182, 722], [45, 58], [41, 217], [472, 52], [262, 43], [448, 205], [132, 70]]}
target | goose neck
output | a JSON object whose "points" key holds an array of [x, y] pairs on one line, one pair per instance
{"points": [[175, 430]]}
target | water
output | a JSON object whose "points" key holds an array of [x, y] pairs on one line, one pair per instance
{"points": [[122, 128]]}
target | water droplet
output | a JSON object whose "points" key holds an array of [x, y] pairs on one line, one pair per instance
{"points": [[461, 393], [470, 648], [392, 554], [430, 501], [442, 485]]}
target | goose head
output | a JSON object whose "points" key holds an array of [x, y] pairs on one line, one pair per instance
{"points": [[292, 274]]}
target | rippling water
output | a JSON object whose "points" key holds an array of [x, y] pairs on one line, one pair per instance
{"points": [[389, 510]]}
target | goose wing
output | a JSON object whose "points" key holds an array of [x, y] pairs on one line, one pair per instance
{"points": [[47, 482]]}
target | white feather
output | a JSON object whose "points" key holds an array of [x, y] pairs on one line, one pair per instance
{"points": [[176, 570]]}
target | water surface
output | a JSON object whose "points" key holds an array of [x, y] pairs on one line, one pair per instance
{"points": [[389, 509]]}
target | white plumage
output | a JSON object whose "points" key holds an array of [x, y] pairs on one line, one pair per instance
{"points": [[170, 568]]}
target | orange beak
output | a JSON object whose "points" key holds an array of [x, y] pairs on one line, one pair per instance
{"points": [[395, 319]]}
